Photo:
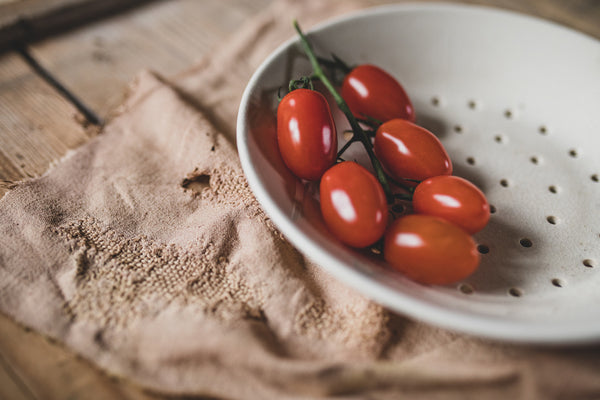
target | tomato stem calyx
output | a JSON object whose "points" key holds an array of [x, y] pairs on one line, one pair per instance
{"points": [[358, 131]]}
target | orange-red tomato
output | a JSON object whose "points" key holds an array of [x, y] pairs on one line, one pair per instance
{"points": [[306, 133], [369, 91], [353, 204], [409, 151], [454, 199], [430, 250]]}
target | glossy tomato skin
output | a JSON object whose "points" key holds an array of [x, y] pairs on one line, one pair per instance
{"points": [[370, 91], [455, 199], [353, 204], [306, 133], [407, 150], [430, 250]]}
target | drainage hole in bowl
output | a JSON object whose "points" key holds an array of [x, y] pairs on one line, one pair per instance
{"points": [[470, 160], [588, 262], [458, 128], [525, 242], [435, 101], [472, 104], [483, 249], [552, 189], [499, 139], [543, 130], [534, 160], [508, 114], [504, 182], [552, 219], [466, 288], [492, 209], [595, 178], [573, 153], [515, 292], [558, 282]]}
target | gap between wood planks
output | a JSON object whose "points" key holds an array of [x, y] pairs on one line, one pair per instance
{"points": [[90, 116]]}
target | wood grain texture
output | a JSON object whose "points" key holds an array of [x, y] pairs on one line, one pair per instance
{"points": [[40, 369], [97, 62], [37, 126], [28, 20]]}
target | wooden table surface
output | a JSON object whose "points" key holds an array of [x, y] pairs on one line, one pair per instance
{"points": [[92, 49]]}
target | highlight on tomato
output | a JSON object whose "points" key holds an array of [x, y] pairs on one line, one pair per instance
{"points": [[371, 92], [455, 199], [353, 204], [409, 151], [430, 250], [306, 133]]}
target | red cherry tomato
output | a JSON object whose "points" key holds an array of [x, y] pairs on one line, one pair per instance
{"points": [[430, 250], [306, 133], [353, 204], [454, 199], [409, 151], [369, 91]]}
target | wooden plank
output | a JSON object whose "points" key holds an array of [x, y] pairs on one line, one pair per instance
{"points": [[41, 369], [37, 126], [28, 20], [11, 386], [98, 61]]}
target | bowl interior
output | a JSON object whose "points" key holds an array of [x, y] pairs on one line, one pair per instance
{"points": [[515, 102]]}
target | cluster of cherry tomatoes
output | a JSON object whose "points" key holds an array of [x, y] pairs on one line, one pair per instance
{"points": [[433, 244]]}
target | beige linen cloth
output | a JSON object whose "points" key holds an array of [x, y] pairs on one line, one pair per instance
{"points": [[145, 251]]}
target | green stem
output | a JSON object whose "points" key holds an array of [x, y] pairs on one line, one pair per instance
{"points": [[358, 132], [343, 149]]}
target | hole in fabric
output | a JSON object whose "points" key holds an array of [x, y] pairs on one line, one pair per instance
{"points": [[196, 183]]}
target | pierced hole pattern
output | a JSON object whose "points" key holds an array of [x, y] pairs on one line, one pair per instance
{"points": [[483, 249], [515, 292], [537, 160], [573, 153], [466, 288], [558, 282], [525, 242]]}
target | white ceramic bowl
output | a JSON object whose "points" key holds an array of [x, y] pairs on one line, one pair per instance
{"points": [[516, 102]]}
